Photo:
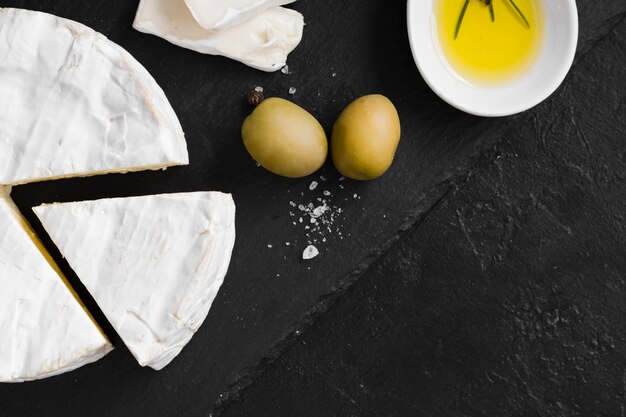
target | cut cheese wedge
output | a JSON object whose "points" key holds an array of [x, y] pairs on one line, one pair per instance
{"points": [[45, 329], [73, 103], [153, 264], [224, 14], [262, 42]]}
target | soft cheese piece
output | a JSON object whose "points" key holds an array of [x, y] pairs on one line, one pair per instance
{"points": [[262, 42], [45, 329], [153, 264], [224, 14], [73, 103]]}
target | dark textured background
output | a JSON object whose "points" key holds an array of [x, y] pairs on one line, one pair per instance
{"points": [[505, 298]]}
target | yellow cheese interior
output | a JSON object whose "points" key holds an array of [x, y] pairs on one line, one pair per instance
{"points": [[44, 252], [91, 174]]}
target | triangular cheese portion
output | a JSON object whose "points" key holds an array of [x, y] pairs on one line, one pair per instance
{"points": [[73, 103], [45, 329], [262, 42], [224, 14], [153, 264]]}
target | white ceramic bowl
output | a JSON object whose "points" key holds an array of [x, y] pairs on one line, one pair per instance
{"points": [[520, 94]]}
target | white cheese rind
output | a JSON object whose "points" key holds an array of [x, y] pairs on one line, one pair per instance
{"points": [[262, 42], [153, 264], [224, 14], [45, 330], [73, 103]]}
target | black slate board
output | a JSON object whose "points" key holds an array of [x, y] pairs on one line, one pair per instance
{"points": [[350, 48], [507, 300]]}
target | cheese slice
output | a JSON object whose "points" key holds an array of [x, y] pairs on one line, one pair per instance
{"points": [[73, 103], [45, 329], [262, 42], [224, 14], [153, 264]]}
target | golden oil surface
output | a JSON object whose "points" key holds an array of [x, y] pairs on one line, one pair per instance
{"points": [[486, 51]]}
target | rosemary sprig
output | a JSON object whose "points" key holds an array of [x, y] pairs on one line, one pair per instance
{"points": [[461, 16], [491, 12], [520, 13]]}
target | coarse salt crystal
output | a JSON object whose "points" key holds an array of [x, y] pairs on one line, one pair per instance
{"points": [[313, 185], [318, 211], [292, 90], [310, 252], [258, 89]]}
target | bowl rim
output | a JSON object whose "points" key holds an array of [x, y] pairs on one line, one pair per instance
{"points": [[559, 76]]}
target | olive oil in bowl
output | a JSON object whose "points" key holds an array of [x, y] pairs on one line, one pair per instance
{"points": [[489, 41]]}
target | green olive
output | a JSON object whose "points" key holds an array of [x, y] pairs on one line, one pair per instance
{"points": [[285, 139], [365, 138]]}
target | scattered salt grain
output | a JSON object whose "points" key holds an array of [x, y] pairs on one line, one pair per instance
{"points": [[258, 89], [285, 69], [292, 90], [310, 252], [319, 217], [269, 246]]}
